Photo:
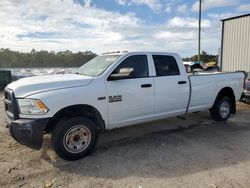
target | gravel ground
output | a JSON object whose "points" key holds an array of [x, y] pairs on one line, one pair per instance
{"points": [[196, 152]]}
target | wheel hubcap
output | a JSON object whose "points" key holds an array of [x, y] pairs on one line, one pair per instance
{"points": [[224, 109], [77, 139]]}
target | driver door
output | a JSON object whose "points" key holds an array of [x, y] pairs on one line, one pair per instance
{"points": [[131, 99]]}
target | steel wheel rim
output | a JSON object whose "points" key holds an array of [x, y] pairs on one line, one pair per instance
{"points": [[224, 109], [77, 139]]}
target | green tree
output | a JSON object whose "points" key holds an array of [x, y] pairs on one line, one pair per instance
{"points": [[43, 58], [205, 58]]}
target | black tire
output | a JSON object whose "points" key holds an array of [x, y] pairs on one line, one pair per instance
{"points": [[64, 135], [217, 111]]}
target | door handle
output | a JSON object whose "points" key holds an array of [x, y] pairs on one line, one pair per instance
{"points": [[146, 85], [182, 82]]}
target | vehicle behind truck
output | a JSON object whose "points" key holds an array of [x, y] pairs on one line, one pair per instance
{"points": [[111, 91], [246, 94]]}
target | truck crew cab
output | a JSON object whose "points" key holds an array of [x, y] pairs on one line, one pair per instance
{"points": [[112, 91]]}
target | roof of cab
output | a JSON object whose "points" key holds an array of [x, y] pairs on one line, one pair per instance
{"points": [[134, 52], [115, 53]]}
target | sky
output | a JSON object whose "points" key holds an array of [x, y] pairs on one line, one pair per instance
{"points": [[111, 25]]}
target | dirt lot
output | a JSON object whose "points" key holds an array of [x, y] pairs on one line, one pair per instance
{"points": [[196, 152]]}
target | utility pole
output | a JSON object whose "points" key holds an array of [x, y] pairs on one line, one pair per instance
{"points": [[199, 37]]}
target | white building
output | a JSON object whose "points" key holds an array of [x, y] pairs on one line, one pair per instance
{"points": [[235, 43]]}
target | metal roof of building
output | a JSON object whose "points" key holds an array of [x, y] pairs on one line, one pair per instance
{"points": [[235, 17]]}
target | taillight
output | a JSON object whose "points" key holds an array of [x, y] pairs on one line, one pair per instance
{"points": [[245, 80]]}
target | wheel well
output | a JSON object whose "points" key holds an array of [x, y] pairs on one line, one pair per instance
{"points": [[77, 110], [227, 91]]}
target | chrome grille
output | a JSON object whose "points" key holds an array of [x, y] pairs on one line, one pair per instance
{"points": [[10, 104]]}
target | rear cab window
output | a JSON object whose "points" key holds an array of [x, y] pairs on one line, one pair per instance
{"points": [[165, 65]]}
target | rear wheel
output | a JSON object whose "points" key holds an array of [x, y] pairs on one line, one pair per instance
{"points": [[222, 109], [74, 138]]}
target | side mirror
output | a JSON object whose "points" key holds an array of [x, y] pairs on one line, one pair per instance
{"points": [[124, 73]]}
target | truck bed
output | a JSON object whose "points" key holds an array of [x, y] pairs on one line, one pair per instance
{"points": [[205, 86]]}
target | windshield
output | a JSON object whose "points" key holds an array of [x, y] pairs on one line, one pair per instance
{"points": [[97, 65]]}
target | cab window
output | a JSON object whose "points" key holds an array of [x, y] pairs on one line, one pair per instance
{"points": [[138, 63], [165, 65]]}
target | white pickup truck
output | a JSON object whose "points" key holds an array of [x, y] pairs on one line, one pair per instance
{"points": [[111, 91]]}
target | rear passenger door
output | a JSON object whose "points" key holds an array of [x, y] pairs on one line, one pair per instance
{"points": [[171, 86]]}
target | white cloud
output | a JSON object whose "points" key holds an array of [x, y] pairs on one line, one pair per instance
{"points": [[61, 25], [208, 4], [72, 24], [220, 16], [188, 22], [182, 8], [176, 36], [122, 2], [87, 3], [155, 5], [243, 8], [168, 8]]}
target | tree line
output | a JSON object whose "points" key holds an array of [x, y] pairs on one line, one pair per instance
{"points": [[43, 58], [205, 58]]}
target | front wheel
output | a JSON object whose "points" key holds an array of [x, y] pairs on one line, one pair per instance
{"points": [[222, 109], [74, 138]]}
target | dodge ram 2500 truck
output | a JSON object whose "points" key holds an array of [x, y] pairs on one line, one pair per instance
{"points": [[111, 91]]}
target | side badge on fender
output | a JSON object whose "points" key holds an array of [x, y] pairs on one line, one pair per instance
{"points": [[115, 98]]}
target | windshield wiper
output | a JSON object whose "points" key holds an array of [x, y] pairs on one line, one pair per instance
{"points": [[81, 74]]}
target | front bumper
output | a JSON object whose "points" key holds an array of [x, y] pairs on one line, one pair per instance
{"points": [[28, 132]]}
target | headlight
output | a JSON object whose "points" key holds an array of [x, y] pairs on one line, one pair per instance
{"points": [[31, 106]]}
